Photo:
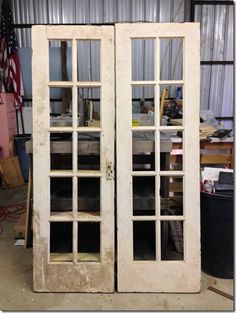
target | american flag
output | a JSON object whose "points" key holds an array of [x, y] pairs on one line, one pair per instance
{"points": [[9, 59]]}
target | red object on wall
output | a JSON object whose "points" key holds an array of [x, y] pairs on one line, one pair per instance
{"points": [[8, 126]]}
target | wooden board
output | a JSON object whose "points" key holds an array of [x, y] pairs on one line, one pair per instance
{"points": [[11, 172], [19, 227], [29, 210]]}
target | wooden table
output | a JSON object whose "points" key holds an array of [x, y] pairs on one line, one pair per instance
{"points": [[142, 144]]}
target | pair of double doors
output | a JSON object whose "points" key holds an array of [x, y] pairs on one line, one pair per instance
{"points": [[99, 92]]}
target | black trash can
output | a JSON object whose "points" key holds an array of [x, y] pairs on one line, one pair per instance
{"points": [[20, 141], [217, 235]]}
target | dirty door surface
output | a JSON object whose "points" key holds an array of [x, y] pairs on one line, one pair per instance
{"points": [[73, 155], [157, 191]]}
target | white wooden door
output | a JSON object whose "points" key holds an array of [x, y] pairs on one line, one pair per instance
{"points": [[157, 197], [73, 157]]}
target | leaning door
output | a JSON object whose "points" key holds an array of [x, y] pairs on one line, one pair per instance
{"points": [[73, 155], [157, 85]]}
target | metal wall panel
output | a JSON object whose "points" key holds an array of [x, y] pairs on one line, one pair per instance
{"points": [[228, 110], [216, 35], [178, 11], [216, 45], [230, 33], [216, 89], [152, 10], [110, 11], [93, 12], [68, 12], [123, 11], [137, 11], [15, 11], [54, 11], [23, 36], [205, 15], [216, 31], [205, 86], [96, 11], [82, 15], [41, 11], [219, 33], [166, 11]]}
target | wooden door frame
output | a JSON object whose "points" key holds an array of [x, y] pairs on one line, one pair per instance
{"points": [[72, 276], [158, 275]]}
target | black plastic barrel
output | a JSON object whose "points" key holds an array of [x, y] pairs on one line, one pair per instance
{"points": [[20, 141], [217, 235]]}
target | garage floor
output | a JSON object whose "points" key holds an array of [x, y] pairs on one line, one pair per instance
{"points": [[16, 283]]}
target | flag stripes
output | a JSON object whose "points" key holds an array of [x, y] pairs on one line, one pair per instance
{"points": [[9, 59]]}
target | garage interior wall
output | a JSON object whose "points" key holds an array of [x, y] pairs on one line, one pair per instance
{"points": [[216, 40]]}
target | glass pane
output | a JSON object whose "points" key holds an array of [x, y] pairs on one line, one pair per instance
{"points": [[173, 159], [61, 194], [61, 241], [89, 151], [143, 195], [172, 242], [171, 59], [89, 107], [60, 57], [171, 194], [89, 241], [144, 240], [61, 151], [143, 108], [143, 59], [89, 195], [88, 58], [143, 151], [60, 107], [171, 105]]}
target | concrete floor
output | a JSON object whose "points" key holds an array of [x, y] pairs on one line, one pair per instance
{"points": [[16, 284]]}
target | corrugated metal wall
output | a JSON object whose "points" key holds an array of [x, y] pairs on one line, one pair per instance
{"points": [[217, 43], [94, 12], [216, 35]]}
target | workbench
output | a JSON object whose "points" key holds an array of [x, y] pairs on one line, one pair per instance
{"points": [[88, 151], [213, 152], [89, 158]]}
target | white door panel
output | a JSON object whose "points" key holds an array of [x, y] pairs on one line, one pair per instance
{"points": [[158, 235], [73, 197]]}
